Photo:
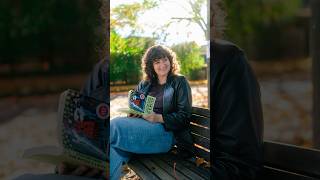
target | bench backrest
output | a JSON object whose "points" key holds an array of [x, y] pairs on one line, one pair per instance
{"points": [[281, 160], [200, 130], [288, 159]]}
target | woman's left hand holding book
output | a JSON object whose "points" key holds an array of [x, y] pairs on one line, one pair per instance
{"points": [[153, 117]]}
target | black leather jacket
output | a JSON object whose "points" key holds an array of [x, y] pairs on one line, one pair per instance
{"points": [[177, 107], [237, 128], [97, 84]]}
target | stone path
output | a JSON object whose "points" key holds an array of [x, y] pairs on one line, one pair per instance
{"points": [[34, 125], [287, 109]]}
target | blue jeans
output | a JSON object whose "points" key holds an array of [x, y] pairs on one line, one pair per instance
{"points": [[135, 135]]}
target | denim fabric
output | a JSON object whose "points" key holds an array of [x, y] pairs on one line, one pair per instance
{"points": [[135, 135]]}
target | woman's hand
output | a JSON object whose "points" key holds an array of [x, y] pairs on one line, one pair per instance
{"points": [[154, 118], [134, 115], [80, 170]]}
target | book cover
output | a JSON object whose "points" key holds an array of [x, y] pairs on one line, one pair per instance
{"points": [[82, 132], [139, 103]]}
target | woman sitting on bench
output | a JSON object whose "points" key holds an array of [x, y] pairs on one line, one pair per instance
{"points": [[168, 125]]}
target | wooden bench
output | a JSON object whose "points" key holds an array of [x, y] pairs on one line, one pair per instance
{"points": [[281, 161], [168, 166], [284, 161]]}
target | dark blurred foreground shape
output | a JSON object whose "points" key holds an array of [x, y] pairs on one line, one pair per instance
{"points": [[48, 37], [315, 53], [47, 46]]}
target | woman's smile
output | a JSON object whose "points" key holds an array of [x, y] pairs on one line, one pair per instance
{"points": [[161, 66]]}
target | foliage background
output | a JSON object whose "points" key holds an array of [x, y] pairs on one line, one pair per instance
{"points": [[127, 50], [49, 37], [267, 29]]}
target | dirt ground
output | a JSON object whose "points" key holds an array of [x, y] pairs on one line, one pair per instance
{"points": [[24, 123]]}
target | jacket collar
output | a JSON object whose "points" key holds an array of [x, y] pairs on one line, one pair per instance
{"points": [[167, 94]]}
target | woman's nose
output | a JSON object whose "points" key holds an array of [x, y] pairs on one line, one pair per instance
{"points": [[162, 62]]}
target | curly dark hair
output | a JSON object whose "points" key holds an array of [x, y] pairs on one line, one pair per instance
{"points": [[157, 52]]}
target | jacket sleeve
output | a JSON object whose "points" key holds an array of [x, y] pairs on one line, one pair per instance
{"points": [[180, 117], [237, 116], [97, 84]]}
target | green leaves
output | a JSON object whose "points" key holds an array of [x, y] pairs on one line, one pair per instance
{"points": [[125, 57], [126, 54], [247, 19], [52, 31], [190, 59], [126, 15]]}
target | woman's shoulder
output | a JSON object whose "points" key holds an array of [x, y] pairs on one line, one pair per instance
{"points": [[179, 78], [227, 55], [219, 46], [142, 84], [97, 83], [224, 51]]}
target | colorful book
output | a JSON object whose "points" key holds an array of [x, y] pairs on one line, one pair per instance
{"points": [[83, 133], [139, 103]]}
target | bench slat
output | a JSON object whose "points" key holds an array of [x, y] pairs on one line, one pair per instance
{"points": [[156, 169], [200, 131], [203, 154], [169, 169], [187, 172], [204, 173], [141, 170], [292, 158], [203, 121], [201, 111], [202, 141], [273, 173]]}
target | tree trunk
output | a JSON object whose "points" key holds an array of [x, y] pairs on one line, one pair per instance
{"points": [[315, 54]]}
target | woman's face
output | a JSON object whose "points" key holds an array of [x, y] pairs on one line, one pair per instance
{"points": [[161, 67]]}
